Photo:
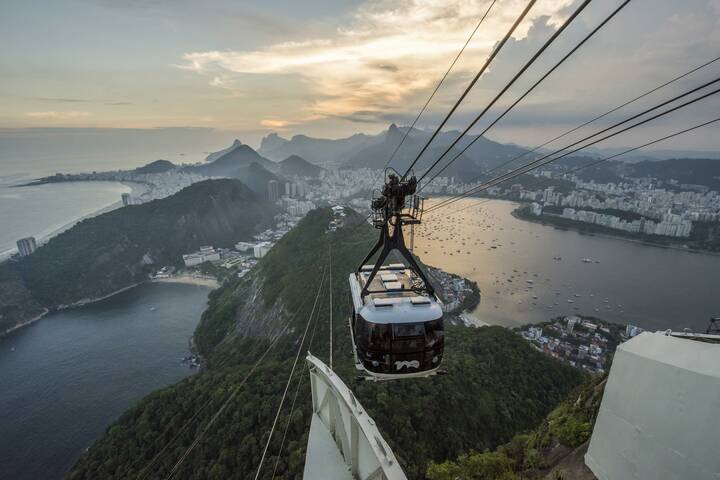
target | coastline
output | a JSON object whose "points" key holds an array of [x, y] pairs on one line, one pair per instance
{"points": [[136, 189], [638, 241], [25, 323], [187, 279], [181, 279]]}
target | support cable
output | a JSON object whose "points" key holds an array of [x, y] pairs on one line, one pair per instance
{"points": [[221, 409], [295, 395], [437, 87], [527, 92], [545, 159], [574, 129], [599, 161], [472, 84], [331, 304], [287, 385]]}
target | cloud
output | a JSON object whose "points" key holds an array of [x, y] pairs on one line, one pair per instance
{"points": [[270, 123], [68, 115], [63, 100], [390, 51]]}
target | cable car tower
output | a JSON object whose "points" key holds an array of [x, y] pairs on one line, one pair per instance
{"points": [[397, 325]]}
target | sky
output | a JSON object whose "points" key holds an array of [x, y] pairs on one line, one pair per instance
{"points": [[337, 67]]}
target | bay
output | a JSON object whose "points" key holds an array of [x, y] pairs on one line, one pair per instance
{"points": [[67, 377], [514, 260]]}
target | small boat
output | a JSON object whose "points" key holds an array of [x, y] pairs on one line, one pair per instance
{"points": [[152, 309]]}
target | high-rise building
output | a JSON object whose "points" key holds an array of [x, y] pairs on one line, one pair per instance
{"points": [[273, 192], [26, 246], [125, 199]]}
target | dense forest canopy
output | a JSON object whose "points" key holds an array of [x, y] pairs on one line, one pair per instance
{"points": [[497, 384]]}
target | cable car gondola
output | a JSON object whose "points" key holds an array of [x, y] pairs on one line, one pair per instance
{"points": [[397, 320]]}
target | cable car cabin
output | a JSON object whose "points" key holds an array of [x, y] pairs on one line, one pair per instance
{"points": [[396, 332]]}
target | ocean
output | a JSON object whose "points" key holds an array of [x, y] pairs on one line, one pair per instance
{"points": [[42, 211]]}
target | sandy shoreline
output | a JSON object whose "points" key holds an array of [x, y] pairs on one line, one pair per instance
{"points": [[136, 189], [209, 282], [189, 280]]}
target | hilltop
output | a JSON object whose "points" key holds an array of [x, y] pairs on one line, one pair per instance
{"points": [[103, 254], [226, 165], [497, 384], [295, 165], [158, 166]]}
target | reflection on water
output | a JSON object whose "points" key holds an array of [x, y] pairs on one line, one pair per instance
{"points": [[530, 273]]}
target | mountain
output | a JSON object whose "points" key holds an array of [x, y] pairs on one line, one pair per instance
{"points": [[482, 155], [295, 165], [256, 177], [497, 384], [321, 151], [158, 166], [695, 171], [227, 164], [117, 249], [215, 155], [373, 151]]}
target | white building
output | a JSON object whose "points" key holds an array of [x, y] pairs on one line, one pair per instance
{"points": [[261, 249], [205, 254], [26, 246], [659, 414], [244, 246]]}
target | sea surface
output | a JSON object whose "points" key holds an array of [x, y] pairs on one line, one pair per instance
{"points": [[513, 261], [43, 211], [75, 372]]}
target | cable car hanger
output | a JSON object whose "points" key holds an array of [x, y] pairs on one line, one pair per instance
{"points": [[392, 208]]}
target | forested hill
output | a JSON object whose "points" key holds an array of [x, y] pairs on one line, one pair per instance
{"points": [[114, 250], [497, 385]]}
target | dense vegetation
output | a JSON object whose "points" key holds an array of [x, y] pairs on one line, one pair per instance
{"points": [[117, 249], [497, 384], [554, 448]]}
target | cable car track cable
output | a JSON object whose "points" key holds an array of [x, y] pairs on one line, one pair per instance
{"points": [[287, 385], [639, 97], [437, 87], [527, 92], [599, 161], [545, 159], [492, 56]]}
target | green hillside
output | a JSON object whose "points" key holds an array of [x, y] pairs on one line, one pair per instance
{"points": [[497, 385], [114, 250]]}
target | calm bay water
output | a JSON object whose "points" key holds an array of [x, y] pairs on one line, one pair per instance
{"points": [[41, 211], [654, 288], [73, 373]]}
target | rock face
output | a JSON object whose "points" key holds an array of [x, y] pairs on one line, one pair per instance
{"points": [[103, 254]]}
